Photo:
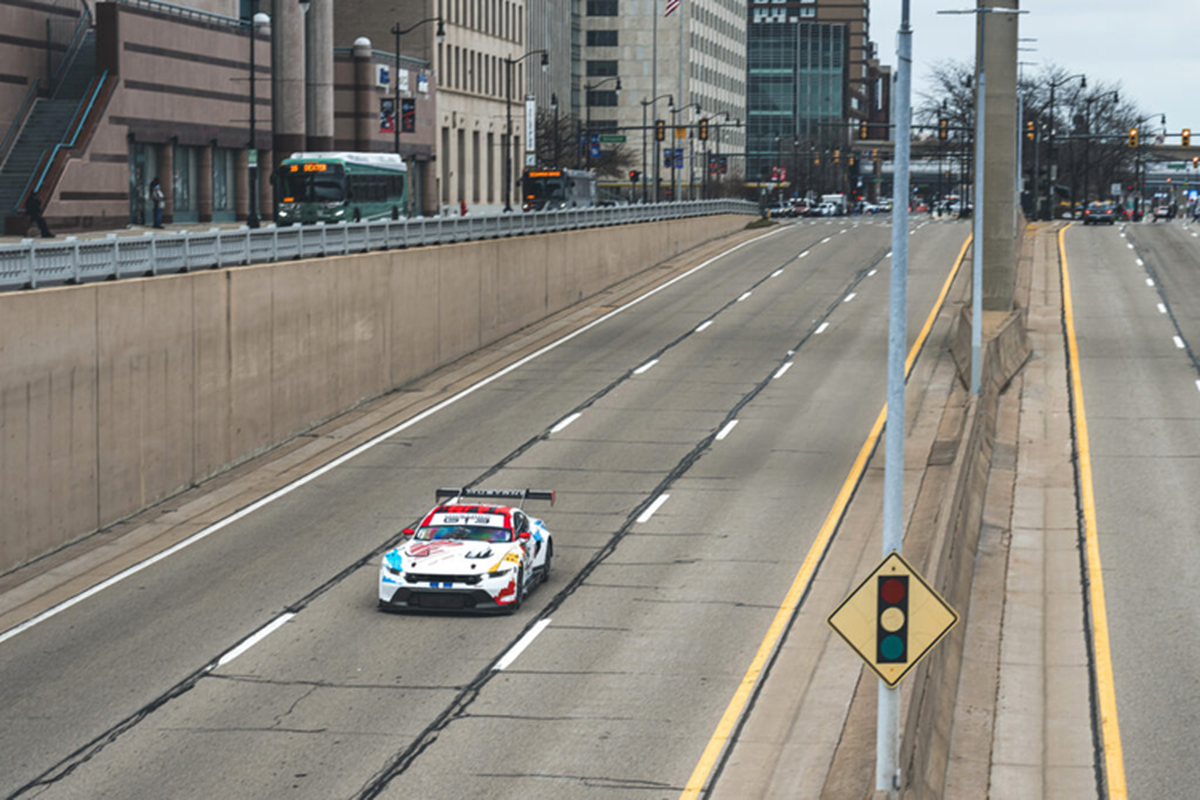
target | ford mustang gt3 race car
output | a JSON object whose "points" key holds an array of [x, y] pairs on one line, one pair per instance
{"points": [[467, 555]]}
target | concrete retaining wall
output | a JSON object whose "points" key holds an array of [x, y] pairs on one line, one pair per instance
{"points": [[949, 561], [115, 396]]}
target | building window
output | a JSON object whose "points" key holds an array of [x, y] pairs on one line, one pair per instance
{"points": [[601, 68], [601, 38], [602, 98], [602, 8]]}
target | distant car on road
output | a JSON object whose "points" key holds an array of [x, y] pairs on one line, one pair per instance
{"points": [[469, 556], [1097, 213], [1162, 212]]}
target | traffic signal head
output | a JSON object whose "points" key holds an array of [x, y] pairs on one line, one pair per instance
{"points": [[633, 176], [702, 130], [891, 634], [943, 129], [863, 130], [660, 130], [1030, 133], [1195, 161], [1133, 137], [1186, 137], [837, 156]]}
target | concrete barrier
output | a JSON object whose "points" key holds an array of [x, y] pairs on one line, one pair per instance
{"points": [[948, 559], [115, 396]]}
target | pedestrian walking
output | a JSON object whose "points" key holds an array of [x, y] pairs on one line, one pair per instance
{"points": [[159, 199], [33, 207]]}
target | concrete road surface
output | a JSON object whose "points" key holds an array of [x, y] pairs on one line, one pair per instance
{"points": [[651, 624], [1136, 291]]}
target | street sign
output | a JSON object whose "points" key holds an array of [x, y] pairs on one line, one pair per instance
{"points": [[893, 619], [678, 158], [612, 138]]}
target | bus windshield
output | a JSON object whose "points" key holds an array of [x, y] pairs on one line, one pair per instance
{"points": [[312, 187], [545, 189]]}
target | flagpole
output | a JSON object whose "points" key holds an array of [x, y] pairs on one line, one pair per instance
{"points": [[682, 102], [654, 90]]}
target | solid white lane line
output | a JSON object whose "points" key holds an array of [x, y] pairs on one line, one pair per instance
{"points": [[645, 367], [826, 240], [871, 274], [655, 506], [1141, 263], [506, 661], [1149, 281], [777, 273], [1162, 309], [729, 426], [779, 373], [850, 297], [821, 329], [370, 444], [565, 422], [263, 633], [703, 325], [744, 296], [1179, 343]]}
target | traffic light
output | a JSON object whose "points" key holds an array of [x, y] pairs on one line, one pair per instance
{"points": [[660, 130], [633, 176], [1195, 162], [850, 160], [837, 156], [1133, 137], [1186, 137], [943, 129], [863, 130], [702, 130], [891, 634], [1030, 133]]}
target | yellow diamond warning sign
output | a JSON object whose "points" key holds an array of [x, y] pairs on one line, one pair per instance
{"points": [[893, 619]]}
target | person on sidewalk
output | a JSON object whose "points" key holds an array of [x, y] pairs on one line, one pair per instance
{"points": [[159, 199], [33, 207], [462, 207]]}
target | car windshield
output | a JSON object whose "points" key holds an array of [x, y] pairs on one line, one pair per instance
{"points": [[545, 189], [312, 187], [463, 533]]}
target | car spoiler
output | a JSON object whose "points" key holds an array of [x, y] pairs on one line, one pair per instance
{"points": [[494, 494]]}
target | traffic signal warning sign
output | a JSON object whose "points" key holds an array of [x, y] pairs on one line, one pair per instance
{"points": [[893, 619]]}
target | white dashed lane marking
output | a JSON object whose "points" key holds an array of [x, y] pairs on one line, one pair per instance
{"points": [[263, 633], [729, 426], [821, 329], [655, 506], [779, 373], [704, 325], [522, 643], [565, 422], [645, 367]]}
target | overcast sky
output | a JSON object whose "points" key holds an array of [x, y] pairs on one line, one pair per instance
{"points": [[1148, 46]]}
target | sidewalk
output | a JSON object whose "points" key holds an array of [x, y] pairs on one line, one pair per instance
{"points": [[1022, 725]]}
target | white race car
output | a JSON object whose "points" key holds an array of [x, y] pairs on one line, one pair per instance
{"points": [[469, 556]]}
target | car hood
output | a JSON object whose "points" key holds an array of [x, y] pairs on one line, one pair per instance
{"points": [[453, 557]]}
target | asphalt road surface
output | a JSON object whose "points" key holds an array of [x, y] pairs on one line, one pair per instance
{"points": [[1136, 291], [651, 624]]}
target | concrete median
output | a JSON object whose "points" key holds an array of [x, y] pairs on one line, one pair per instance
{"points": [[116, 396]]}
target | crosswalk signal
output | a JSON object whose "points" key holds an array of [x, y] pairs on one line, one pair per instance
{"points": [[863, 130], [1186, 136], [891, 635], [1030, 133], [1133, 137], [943, 129], [702, 130], [660, 130]]}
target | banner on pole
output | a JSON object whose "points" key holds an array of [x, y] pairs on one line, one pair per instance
{"points": [[387, 115]]}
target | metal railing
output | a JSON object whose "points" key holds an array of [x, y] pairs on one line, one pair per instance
{"points": [[18, 123], [73, 48], [185, 12], [31, 263]]}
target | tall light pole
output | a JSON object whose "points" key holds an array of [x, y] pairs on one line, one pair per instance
{"points": [[1087, 142], [713, 120], [259, 20], [645, 105], [1053, 149], [588, 88], [396, 117], [509, 63], [675, 112], [557, 133]]}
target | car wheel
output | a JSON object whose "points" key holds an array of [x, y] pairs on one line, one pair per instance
{"points": [[546, 566], [520, 598]]}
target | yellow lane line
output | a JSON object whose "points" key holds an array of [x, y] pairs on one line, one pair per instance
{"points": [[733, 712], [1114, 759]]}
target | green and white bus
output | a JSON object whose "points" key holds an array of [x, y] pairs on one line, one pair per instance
{"points": [[340, 187]]}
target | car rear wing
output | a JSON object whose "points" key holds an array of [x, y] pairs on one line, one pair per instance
{"points": [[496, 494]]}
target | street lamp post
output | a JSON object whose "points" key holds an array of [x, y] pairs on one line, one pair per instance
{"points": [[557, 133], [1053, 149], [1087, 142], [397, 31], [588, 88], [259, 20], [509, 63], [712, 124], [645, 105], [675, 112]]}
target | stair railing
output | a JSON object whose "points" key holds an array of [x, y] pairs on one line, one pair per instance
{"points": [[73, 47], [18, 123]]}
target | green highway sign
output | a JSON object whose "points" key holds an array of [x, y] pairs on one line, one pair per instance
{"points": [[612, 138]]}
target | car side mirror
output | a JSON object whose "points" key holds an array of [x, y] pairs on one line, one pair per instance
{"points": [[408, 533], [523, 535]]}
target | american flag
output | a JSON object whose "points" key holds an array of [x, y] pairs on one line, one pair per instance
{"points": [[671, 6]]}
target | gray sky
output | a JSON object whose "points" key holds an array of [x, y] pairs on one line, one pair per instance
{"points": [[1143, 44]]}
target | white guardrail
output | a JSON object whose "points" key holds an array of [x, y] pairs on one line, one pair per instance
{"points": [[33, 263]]}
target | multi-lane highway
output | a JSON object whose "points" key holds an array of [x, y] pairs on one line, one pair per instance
{"points": [[652, 617], [1136, 293]]}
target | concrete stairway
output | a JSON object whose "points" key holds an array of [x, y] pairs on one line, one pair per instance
{"points": [[46, 126]]}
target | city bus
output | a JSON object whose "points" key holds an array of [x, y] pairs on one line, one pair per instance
{"points": [[550, 189], [340, 187]]}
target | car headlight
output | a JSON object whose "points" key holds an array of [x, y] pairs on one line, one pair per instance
{"points": [[500, 573], [339, 212], [391, 571], [283, 213]]}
